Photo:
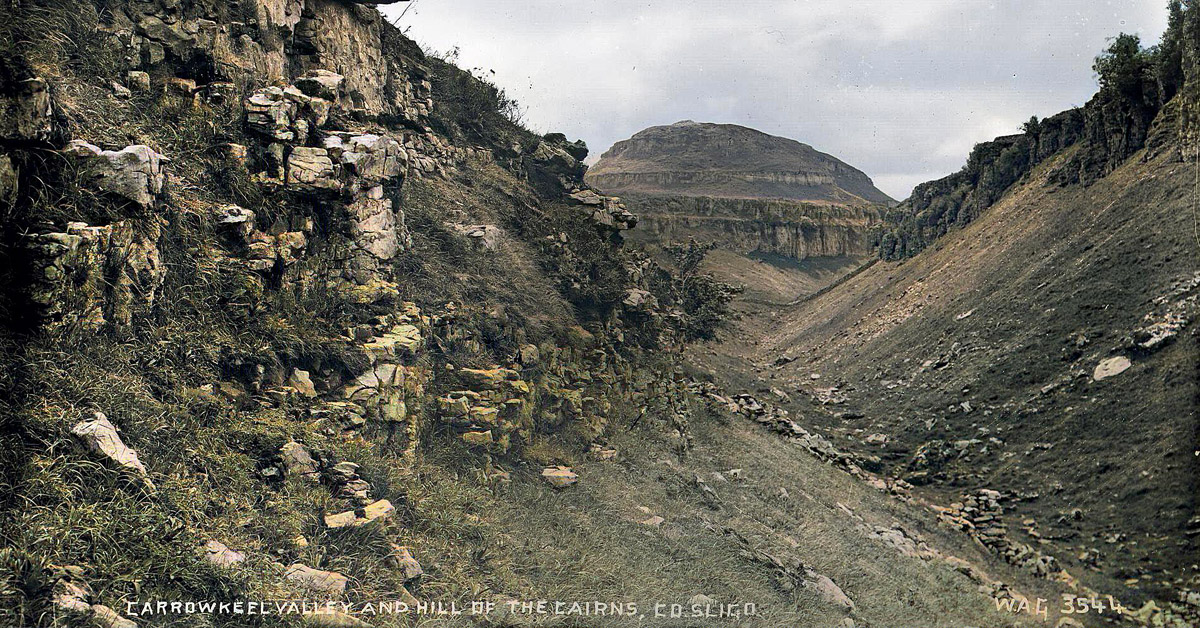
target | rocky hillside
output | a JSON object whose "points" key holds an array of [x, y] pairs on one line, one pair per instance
{"points": [[1030, 367], [293, 311], [1044, 352], [727, 161], [287, 304]]}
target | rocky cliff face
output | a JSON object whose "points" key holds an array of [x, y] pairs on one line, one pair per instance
{"points": [[785, 228], [727, 161], [1126, 115], [258, 215], [937, 206]]}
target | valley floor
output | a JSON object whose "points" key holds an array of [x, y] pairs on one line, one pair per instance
{"points": [[707, 527]]}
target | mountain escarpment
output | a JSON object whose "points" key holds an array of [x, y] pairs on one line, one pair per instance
{"points": [[727, 161], [1147, 100], [744, 190]]}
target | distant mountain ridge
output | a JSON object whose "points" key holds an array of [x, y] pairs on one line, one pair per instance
{"points": [[728, 161]]}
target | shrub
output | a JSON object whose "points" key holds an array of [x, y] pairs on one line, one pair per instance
{"points": [[1124, 66]]}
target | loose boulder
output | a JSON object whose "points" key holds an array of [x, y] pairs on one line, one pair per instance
{"points": [[100, 436], [402, 560], [1110, 367], [559, 477], [316, 579], [353, 518], [827, 589], [298, 462], [134, 172], [216, 553]]}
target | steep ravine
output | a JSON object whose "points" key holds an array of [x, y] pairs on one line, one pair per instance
{"points": [[293, 312]]}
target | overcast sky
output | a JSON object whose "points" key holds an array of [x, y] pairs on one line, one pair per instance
{"points": [[898, 88]]}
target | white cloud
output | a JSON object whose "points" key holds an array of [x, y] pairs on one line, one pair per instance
{"points": [[901, 90]]}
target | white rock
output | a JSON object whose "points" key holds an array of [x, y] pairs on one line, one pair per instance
{"points": [[560, 477], [321, 83], [372, 157], [216, 553], [1110, 367], [105, 617], [316, 579], [309, 167], [402, 560], [298, 462], [134, 172], [301, 381], [101, 437], [827, 589], [352, 519]]}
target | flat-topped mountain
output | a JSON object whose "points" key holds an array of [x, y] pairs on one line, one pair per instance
{"points": [[728, 161]]}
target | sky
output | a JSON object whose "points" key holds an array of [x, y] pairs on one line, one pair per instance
{"points": [[901, 89]]}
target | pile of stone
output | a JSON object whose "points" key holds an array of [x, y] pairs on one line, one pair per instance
{"points": [[829, 395], [608, 212], [980, 515], [1172, 314], [790, 573], [495, 407], [262, 252], [285, 114], [778, 420]]}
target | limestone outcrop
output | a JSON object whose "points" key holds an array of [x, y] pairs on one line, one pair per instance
{"points": [[134, 173], [787, 228], [100, 436], [96, 276], [25, 111]]}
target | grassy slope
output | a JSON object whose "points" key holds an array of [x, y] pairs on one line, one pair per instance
{"points": [[586, 542]]}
